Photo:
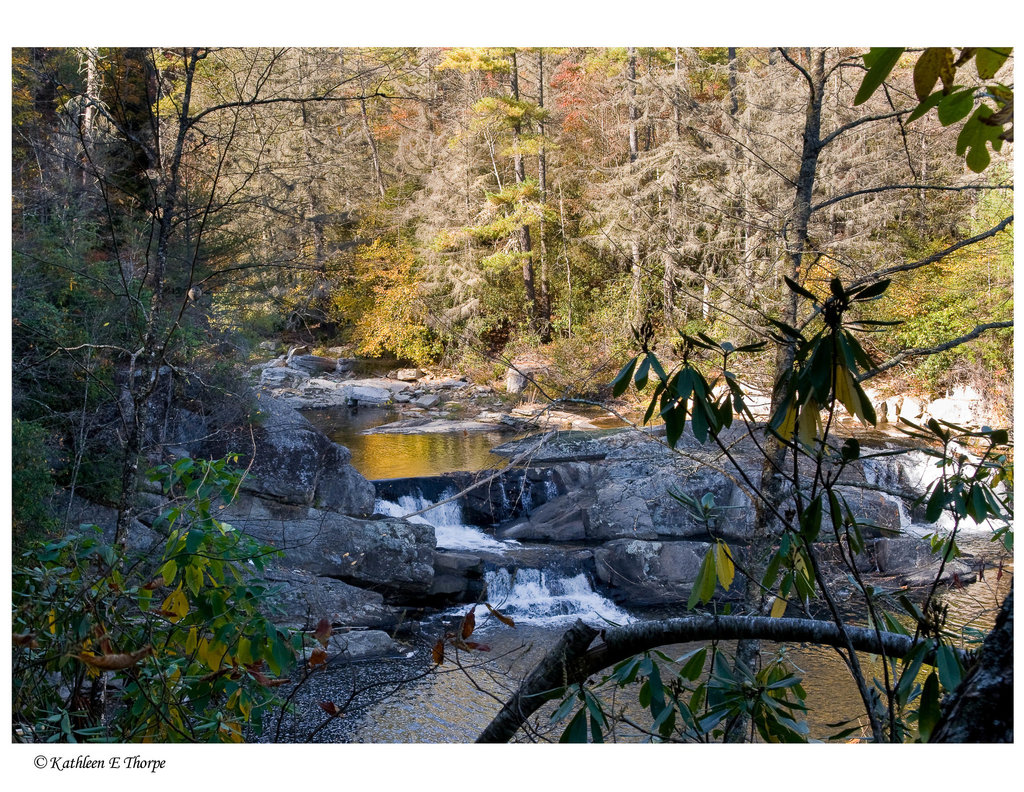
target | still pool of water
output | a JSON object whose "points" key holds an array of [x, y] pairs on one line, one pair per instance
{"points": [[381, 456]]}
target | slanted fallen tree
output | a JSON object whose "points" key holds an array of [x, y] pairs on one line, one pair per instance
{"points": [[576, 656]]}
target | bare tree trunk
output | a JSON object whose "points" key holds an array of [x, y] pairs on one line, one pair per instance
{"points": [[637, 308], [144, 370], [92, 98], [378, 175], [542, 179], [668, 296], [519, 166]]}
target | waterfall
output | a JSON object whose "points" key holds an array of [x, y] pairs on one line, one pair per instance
{"points": [[450, 530], [916, 471], [539, 597]]}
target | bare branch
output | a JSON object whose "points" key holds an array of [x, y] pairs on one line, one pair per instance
{"points": [[913, 265], [886, 188], [921, 351], [798, 67], [856, 123], [567, 662]]}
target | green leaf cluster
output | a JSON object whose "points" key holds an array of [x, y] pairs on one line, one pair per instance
{"points": [[184, 633], [992, 120], [693, 698]]}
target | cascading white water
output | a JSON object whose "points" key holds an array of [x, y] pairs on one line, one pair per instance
{"points": [[449, 529], [916, 471], [534, 596]]}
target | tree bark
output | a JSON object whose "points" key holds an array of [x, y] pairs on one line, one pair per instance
{"points": [[542, 183], [378, 175], [668, 279], [151, 353], [637, 308], [519, 166], [980, 710]]}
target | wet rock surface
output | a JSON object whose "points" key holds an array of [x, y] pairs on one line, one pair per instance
{"points": [[391, 556], [597, 501], [303, 599], [649, 573]]}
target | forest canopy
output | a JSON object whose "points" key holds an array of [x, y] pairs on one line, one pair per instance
{"points": [[178, 212]]}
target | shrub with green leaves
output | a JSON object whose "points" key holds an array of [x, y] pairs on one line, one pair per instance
{"points": [[173, 646], [828, 366]]}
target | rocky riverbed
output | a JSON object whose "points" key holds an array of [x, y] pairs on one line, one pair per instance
{"points": [[570, 499]]}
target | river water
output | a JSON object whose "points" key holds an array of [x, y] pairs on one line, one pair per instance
{"points": [[379, 456], [455, 701]]}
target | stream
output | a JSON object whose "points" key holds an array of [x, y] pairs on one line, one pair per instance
{"points": [[544, 595], [381, 456]]}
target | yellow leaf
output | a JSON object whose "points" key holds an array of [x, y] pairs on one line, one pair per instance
{"points": [[243, 654], [778, 607], [788, 423], [230, 731], [211, 653], [809, 428], [846, 393], [168, 571], [800, 566], [175, 607], [724, 565], [192, 642], [193, 578], [244, 704]]}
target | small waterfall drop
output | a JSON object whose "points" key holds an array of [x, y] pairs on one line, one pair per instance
{"points": [[449, 528], [916, 471], [539, 597]]}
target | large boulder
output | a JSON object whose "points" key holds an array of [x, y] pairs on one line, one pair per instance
{"points": [[282, 377], [911, 560], [564, 519], [619, 512], [649, 573], [354, 645], [881, 513], [313, 364], [458, 577], [392, 556], [295, 463], [361, 645], [302, 599], [625, 492]]}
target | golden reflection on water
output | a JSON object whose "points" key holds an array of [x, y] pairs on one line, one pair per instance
{"points": [[381, 456]]}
